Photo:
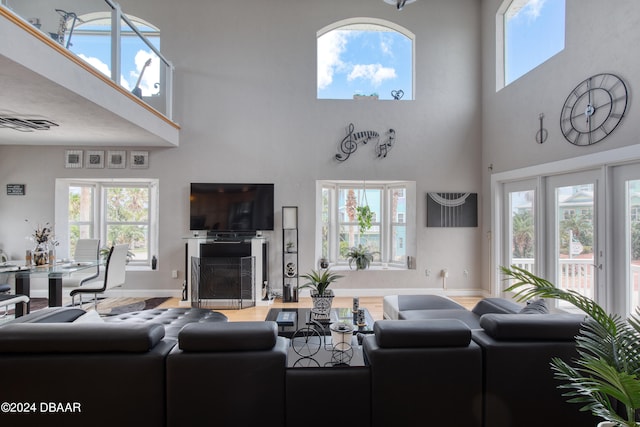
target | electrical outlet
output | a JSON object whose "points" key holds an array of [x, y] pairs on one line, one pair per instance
{"points": [[174, 274], [444, 272], [466, 273], [427, 272]]}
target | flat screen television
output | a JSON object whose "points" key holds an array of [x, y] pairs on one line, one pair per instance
{"points": [[222, 208]]}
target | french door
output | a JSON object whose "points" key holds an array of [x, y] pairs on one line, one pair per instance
{"points": [[624, 278], [574, 216], [520, 233]]}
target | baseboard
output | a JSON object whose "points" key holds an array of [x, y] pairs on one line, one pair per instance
{"points": [[411, 291]]}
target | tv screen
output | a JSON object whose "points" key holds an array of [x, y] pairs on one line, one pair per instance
{"points": [[231, 207]]}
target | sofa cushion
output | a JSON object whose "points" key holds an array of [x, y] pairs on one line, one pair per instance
{"points": [[424, 302], [523, 327], [467, 317], [535, 307], [421, 334], [228, 336], [496, 305], [78, 338], [51, 315]]}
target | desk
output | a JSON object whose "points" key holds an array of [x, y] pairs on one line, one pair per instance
{"points": [[55, 273]]}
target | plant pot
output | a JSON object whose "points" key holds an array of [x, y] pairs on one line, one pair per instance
{"points": [[611, 424], [322, 303]]}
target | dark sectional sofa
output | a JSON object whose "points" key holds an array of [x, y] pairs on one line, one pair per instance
{"points": [[436, 370]]}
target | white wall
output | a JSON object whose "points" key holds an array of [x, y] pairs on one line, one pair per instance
{"points": [[246, 101], [601, 36]]}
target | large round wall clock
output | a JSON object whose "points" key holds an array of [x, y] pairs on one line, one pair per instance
{"points": [[593, 109]]}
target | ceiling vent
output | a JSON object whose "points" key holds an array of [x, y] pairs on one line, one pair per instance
{"points": [[25, 125]]}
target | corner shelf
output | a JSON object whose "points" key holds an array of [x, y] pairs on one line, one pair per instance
{"points": [[290, 254]]}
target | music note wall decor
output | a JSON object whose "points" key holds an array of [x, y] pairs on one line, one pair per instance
{"points": [[349, 144]]}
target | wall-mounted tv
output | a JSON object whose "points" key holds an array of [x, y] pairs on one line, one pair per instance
{"points": [[220, 208]]}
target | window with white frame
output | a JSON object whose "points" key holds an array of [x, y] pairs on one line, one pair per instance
{"points": [[114, 211], [365, 58], [529, 33], [392, 203]]}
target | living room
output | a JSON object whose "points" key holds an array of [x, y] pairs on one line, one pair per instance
{"points": [[454, 134], [245, 110]]}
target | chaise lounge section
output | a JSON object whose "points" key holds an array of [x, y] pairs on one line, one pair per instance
{"points": [[428, 307]]}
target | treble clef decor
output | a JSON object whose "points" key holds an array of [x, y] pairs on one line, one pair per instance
{"points": [[349, 144]]}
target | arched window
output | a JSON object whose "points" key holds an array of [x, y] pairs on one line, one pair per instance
{"points": [[528, 33], [365, 57], [91, 41]]}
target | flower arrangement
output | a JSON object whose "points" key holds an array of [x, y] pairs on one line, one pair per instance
{"points": [[44, 237]]}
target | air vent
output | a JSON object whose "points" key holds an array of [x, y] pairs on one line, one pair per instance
{"points": [[25, 125]]}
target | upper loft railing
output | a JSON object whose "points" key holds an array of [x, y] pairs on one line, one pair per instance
{"points": [[123, 48]]}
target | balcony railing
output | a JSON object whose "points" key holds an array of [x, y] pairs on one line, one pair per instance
{"points": [[98, 32], [579, 275]]}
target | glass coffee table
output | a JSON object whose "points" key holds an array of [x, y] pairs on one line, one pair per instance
{"points": [[292, 319]]}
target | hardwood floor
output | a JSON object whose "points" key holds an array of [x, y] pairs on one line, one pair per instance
{"points": [[373, 304]]}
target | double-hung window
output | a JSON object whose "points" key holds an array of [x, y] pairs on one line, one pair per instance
{"points": [[114, 211], [392, 222]]}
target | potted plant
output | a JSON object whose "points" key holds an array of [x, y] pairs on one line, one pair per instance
{"points": [[321, 295], [361, 256], [104, 253], [605, 377], [364, 215]]}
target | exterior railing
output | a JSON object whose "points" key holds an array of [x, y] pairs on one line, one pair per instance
{"points": [[579, 275]]}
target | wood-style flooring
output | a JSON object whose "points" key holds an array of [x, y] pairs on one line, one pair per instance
{"points": [[373, 304]]}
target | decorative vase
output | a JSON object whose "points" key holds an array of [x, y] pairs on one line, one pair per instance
{"points": [[322, 303], [341, 334], [40, 256]]}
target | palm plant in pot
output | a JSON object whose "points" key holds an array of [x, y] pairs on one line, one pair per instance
{"points": [[321, 295], [605, 378], [359, 255]]}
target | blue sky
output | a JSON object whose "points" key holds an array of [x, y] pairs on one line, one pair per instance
{"points": [[96, 50], [534, 34], [358, 62]]}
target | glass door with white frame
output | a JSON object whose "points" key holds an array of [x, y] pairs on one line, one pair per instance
{"points": [[625, 244], [520, 224], [572, 238]]}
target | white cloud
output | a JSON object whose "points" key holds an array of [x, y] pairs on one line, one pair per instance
{"points": [[386, 46], [376, 73], [530, 8], [103, 68], [330, 47], [534, 7], [151, 74]]}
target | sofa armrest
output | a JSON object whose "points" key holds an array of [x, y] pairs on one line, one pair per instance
{"points": [[79, 338], [228, 336], [523, 327], [421, 334]]}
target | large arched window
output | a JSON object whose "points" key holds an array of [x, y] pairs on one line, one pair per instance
{"points": [[91, 41], [528, 33], [365, 58]]}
